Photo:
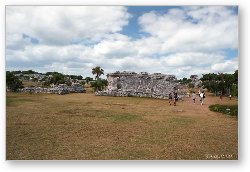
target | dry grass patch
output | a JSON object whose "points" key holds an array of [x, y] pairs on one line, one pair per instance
{"points": [[85, 126]]}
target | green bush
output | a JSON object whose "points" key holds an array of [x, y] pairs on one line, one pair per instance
{"points": [[226, 109], [12, 82], [99, 84]]}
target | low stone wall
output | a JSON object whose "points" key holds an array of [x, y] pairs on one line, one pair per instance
{"points": [[128, 84], [61, 89]]}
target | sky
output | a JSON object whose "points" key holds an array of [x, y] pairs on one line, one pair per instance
{"points": [[178, 40]]}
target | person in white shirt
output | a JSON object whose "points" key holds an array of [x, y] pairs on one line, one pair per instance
{"points": [[202, 96]]}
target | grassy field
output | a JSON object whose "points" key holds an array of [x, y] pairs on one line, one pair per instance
{"points": [[85, 126]]}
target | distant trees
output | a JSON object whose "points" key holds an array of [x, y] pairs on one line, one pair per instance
{"points": [[52, 73], [98, 71], [184, 81], [29, 72], [221, 83], [57, 78], [88, 79], [12, 82], [14, 79], [79, 77]]}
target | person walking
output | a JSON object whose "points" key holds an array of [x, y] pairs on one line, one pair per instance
{"points": [[202, 96], [175, 98], [193, 97], [170, 97]]}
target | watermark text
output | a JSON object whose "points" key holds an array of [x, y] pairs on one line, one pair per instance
{"points": [[221, 156]]}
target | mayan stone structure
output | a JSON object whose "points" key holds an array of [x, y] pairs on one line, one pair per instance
{"points": [[142, 84]]}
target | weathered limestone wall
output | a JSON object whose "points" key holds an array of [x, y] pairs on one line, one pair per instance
{"points": [[60, 89], [155, 85]]}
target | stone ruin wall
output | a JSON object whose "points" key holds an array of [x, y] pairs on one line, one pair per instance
{"points": [[60, 89], [128, 84]]}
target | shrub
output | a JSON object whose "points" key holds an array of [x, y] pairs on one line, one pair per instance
{"points": [[99, 84], [12, 82], [226, 109]]}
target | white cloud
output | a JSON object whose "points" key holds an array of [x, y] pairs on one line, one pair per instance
{"points": [[114, 46], [193, 29], [17, 41], [182, 42], [226, 66], [65, 24], [192, 59], [79, 59]]}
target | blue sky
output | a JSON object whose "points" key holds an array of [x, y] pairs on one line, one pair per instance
{"points": [[179, 40], [133, 28]]}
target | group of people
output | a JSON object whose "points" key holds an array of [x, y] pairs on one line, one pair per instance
{"points": [[201, 95], [174, 97]]}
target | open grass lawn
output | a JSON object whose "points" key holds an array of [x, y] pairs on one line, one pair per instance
{"points": [[85, 126]]}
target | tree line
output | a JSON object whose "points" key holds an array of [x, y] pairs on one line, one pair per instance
{"points": [[14, 83], [221, 84]]}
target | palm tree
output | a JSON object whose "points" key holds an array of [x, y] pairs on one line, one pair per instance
{"points": [[98, 71]]}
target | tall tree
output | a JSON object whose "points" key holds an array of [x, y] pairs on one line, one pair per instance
{"points": [[98, 71], [12, 82], [58, 78]]}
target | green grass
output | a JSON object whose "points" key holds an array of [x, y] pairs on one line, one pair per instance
{"points": [[225, 109]]}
